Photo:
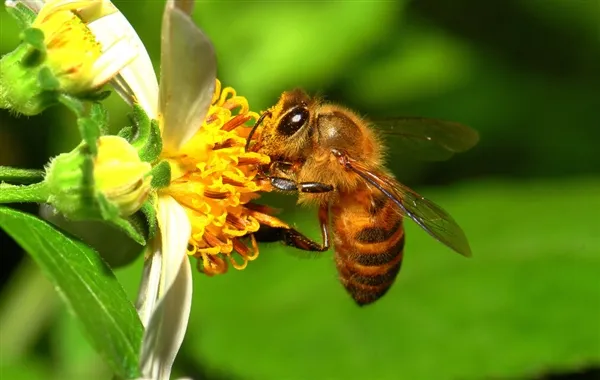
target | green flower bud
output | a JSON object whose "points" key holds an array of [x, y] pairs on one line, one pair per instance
{"points": [[115, 183]]}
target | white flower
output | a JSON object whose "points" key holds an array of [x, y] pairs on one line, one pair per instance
{"points": [[82, 62], [188, 73], [202, 212]]}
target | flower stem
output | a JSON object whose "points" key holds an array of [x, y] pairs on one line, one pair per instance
{"points": [[38, 192], [22, 176]]}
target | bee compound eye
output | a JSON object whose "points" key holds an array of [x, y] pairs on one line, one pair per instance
{"points": [[293, 121]]}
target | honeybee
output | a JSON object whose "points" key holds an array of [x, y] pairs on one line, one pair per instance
{"points": [[330, 156]]}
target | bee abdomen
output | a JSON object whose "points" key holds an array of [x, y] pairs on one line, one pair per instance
{"points": [[371, 263]]}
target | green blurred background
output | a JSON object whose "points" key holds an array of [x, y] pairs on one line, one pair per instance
{"points": [[524, 73]]}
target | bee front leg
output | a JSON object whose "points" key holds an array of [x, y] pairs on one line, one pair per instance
{"points": [[279, 173], [286, 184], [293, 238]]}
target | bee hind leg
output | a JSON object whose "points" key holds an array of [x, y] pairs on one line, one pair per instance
{"points": [[293, 238], [290, 237]]}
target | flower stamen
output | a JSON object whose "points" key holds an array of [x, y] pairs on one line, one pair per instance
{"points": [[215, 179]]}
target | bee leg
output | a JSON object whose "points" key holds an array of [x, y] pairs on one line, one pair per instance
{"points": [[293, 238], [286, 184], [288, 236]]}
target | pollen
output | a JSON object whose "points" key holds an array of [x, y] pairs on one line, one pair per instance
{"points": [[215, 180]]}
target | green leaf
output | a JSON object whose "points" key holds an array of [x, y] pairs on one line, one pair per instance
{"points": [[87, 285], [527, 302]]}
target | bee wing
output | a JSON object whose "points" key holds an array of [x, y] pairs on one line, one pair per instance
{"points": [[429, 216], [426, 139]]}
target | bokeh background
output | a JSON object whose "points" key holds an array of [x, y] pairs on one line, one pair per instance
{"points": [[524, 73]]}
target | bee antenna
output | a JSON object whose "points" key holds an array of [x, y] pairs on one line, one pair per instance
{"points": [[258, 122]]}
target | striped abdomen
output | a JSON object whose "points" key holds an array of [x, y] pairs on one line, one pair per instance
{"points": [[369, 242]]}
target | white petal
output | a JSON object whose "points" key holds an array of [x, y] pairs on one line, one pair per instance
{"points": [[115, 58], [167, 327], [137, 81], [188, 73], [90, 9], [175, 232], [96, 10], [150, 284], [168, 315]]}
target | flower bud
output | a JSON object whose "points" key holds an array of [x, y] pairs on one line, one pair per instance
{"points": [[61, 54], [115, 183]]}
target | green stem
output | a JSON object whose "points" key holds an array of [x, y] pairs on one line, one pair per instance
{"points": [[37, 192], [22, 176]]}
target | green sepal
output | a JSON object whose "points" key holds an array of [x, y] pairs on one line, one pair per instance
{"points": [[22, 14], [95, 96], [147, 139], [126, 133], [154, 144], [48, 81], [131, 226], [35, 38], [70, 178], [161, 175], [141, 122], [149, 212], [99, 115], [20, 77]]}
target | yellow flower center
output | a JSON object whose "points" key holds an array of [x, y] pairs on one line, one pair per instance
{"points": [[71, 48], [214, 179]]}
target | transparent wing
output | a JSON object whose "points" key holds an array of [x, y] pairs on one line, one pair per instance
{"points": [[187, 75], [426, 139], [429, 216]]}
